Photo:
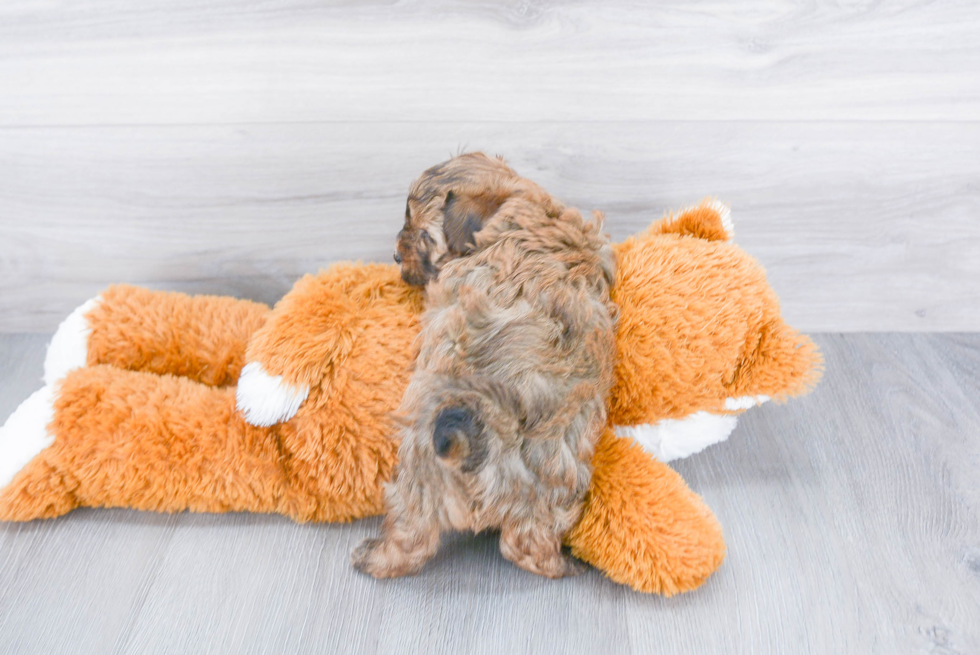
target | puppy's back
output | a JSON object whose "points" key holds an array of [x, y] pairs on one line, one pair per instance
{"points": [[530, 312]]}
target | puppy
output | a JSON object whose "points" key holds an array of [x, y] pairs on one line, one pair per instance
{"points": [[508, 394], [452, 201]]}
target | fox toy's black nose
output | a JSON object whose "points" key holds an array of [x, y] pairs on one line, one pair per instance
{"points": [[398, 258]]}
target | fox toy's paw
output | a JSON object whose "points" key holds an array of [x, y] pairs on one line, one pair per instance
{"points": [[266, 399], [25, 434], [68, 349]]}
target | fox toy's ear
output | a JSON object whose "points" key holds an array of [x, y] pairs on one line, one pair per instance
{"points": [[710, 220], [464, 215]]}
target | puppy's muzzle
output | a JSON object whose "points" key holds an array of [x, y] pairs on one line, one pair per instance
{"points": [[458, 438]]}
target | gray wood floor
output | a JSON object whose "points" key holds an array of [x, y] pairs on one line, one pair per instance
{"points": [[852, 518], [232, 145]]}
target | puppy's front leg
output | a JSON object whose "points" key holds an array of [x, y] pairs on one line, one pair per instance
{"points": [[538, 550]]}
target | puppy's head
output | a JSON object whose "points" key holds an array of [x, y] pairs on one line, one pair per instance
{"points": [[448, 204]]}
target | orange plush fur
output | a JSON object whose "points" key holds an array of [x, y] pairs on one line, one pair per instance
{"points": [[699, 324], [151, 421]]}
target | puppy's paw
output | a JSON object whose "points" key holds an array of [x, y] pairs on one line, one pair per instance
{"points": [[380, 559], [539, 553], [361, 559], [559, 566], [372, 557], [571, 567]]}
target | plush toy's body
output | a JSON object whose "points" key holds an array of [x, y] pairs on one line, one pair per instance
{"points": [[151, 421], [141, 407]]}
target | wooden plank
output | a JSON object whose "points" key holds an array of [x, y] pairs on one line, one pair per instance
{"points": [[850, 513], [222, 61], [862, 226], [69, 586], [851, 517]]}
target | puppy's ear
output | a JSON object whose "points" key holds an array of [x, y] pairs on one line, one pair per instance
{"points": [[464, 215]]}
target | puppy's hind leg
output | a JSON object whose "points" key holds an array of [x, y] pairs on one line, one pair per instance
{"points": [[402, 549], [409, 536], [536, 549]]}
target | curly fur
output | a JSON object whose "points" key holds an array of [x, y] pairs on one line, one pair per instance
{"points": [[449, 203], [508, 396]]}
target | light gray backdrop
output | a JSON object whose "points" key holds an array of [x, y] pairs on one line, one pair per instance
{"points": [[228, 146]]}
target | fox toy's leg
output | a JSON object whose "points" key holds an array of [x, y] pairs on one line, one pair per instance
{"points": [[199, 337], [107, 437]]}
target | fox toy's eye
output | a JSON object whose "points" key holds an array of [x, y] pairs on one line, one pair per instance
{"points": [[427, 237]]}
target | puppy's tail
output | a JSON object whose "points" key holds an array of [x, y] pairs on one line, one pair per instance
{"points": [[473, 409], [458, 436]]}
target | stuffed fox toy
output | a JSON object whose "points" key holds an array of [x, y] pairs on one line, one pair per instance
{"points": [[165, 402]]}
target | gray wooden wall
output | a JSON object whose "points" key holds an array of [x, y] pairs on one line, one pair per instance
{"points": [[228, 146]]}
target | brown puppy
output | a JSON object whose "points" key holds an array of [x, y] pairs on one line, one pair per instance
{"points": [[449, 203], [508, 396]]}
